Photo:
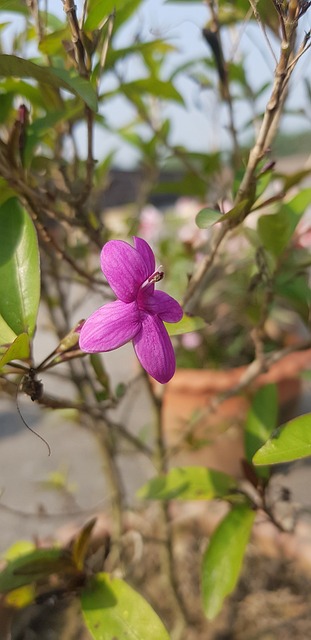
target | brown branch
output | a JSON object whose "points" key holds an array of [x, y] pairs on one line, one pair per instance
{"points": [[79, 50], [265, 136]]}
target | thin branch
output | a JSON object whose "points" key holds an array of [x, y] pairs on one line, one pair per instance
{"points": [[265, 136], [253, 4]]}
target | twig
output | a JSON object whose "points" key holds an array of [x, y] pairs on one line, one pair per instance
{"points": [[167, 551], [265, 136], [70, 10]]}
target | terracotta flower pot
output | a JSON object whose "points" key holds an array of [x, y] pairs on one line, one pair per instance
{"points": [[188, 396]]}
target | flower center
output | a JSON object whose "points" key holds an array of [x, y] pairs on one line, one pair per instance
{"points": [[156, 276]]}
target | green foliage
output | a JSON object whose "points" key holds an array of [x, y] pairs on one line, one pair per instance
{"points": [[276, 230], [35, 566], [186, 325], [222, 561], [56, 77], [19, 269], [188, 483], [290, 441], [18, 350], [261, 421], [255, 287], [112, 609], [207, 218]]}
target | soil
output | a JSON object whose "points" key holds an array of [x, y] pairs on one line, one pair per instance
{"points": [[271, 602]]}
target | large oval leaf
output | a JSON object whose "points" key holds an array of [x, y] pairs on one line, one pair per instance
{"points": [[223, 559], [289, 442], [19, 268], [112, 609], [188, 483]]}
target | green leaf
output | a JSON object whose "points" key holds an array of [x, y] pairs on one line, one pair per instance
{"points": [[61, 78], [261, 420], [186, 325], [18, 350], [291, 441], [47, 124], [155, 47], [81, 544], [7, 335], [33, 566], [19, 269], [276, 230], [153, 86], [188, 483], [99, 10], [207, 217], [113, 610], [52, 43], [16, 6], [222, 561]]}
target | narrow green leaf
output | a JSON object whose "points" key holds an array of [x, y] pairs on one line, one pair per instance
{"points": [[81, 544], [18, 350], [261, 420], [113, 610], [19, 268], [61, 78], [153, 86], [188, 483], [33, 566], [155, 47], [7, 335], [291, 441], [124, 13], [207, 217], [222, 561], [186, 325], [99, 10]]}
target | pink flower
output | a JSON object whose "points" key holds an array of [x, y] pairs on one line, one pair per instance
{"points": [[150, 223], [139, 311]]}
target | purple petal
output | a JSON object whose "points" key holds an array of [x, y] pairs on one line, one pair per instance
{"points": [[146, 253], [160, 303], [154, 349], [125, 269], [110, 327]]}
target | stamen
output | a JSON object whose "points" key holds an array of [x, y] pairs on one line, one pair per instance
{"points": [[156, 276]]}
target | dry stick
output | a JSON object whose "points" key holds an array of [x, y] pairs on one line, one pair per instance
{"points": [[83, 65], [98, 425], [167, 551], [253, 4], [70, 10], [265, 136], [223, 79]]}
